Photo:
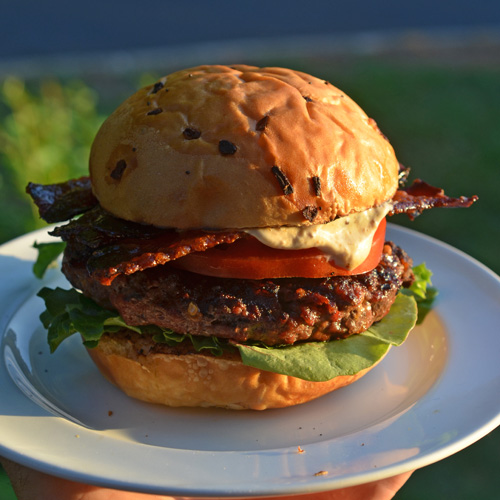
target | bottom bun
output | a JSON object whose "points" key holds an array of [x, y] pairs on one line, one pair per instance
{"points": [[195, 379]]}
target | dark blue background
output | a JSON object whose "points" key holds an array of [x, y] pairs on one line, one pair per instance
{"points": [[55, 27]]}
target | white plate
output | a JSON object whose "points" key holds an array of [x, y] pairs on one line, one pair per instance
{"points": [[429, 398]]}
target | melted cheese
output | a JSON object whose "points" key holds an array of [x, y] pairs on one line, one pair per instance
{"points": [[346, 240]]}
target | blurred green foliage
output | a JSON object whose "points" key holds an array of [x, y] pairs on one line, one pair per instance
{"points": [[46, 130], [6, 492]]}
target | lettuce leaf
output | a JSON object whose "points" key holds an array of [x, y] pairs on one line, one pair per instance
{"points": [[47, 256], [68, 312], [320, 361], [422, 291], [213, 344]]}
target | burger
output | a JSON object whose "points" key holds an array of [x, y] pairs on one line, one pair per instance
{"points": [[228, 247]]}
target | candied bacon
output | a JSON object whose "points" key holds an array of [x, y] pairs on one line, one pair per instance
{"points": [[143, 252], [118, 246], [420, 196], [62, 201], [97, 227], [131, 256], [115, 246]]}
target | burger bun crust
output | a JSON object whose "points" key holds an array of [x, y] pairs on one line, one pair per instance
{"points": [[198, 380], [240, 147]]}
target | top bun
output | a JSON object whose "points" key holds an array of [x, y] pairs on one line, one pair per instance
{"points": [[239, 147]]}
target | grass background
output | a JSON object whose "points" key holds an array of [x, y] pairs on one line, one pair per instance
{"points": [[442, 119]]}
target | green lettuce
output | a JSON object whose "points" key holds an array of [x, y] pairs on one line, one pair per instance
{"points": [[69, 312], [47, 256], [422, 291], [319, 361]]}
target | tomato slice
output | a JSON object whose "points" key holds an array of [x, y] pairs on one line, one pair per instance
{"points": [[249, 259]]}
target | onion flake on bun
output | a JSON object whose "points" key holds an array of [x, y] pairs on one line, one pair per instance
{"points": [[230, 248]]}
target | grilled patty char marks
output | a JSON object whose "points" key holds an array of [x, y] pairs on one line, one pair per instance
{"points": [[274, 311]]}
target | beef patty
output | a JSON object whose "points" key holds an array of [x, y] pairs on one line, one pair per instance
{"points": [[273, 311]]}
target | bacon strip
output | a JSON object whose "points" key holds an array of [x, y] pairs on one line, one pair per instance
{"points": [[97, 228], [420, 196], [116, 246], [123, 247], [131, 256], [60, 202]]}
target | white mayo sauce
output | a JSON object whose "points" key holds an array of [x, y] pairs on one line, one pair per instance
{"points": [[346, 240]]}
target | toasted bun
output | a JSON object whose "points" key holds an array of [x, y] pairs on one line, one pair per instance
{"points": [[203, 380], [295, 150]]}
